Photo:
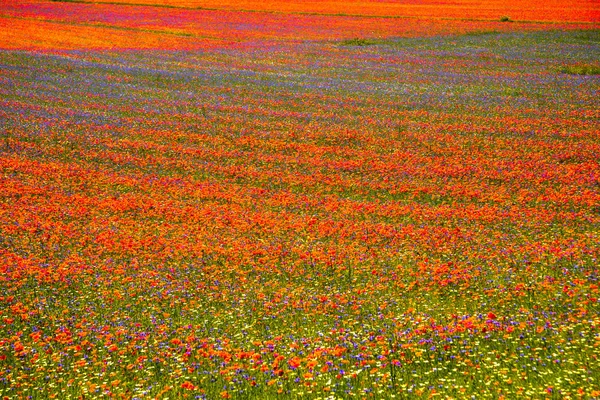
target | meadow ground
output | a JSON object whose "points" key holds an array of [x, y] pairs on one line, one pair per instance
{"points": [[206, 210]]}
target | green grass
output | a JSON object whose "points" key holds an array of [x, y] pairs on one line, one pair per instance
{"points": [[581, 69], [358, 42]]}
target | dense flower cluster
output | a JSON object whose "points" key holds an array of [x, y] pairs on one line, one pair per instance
{"points": [[322, 219], [198, 25]]}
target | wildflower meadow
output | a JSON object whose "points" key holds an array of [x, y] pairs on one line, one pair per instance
{"points": [[215, 199]]}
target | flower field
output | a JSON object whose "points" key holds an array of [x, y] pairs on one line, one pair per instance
{"points": [[202, 201]]}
